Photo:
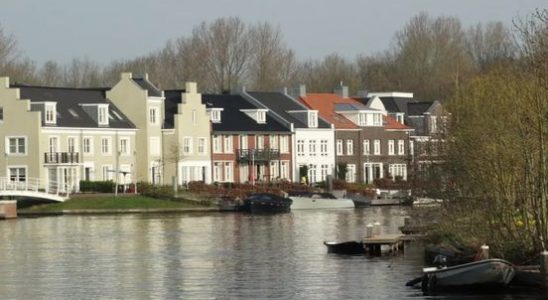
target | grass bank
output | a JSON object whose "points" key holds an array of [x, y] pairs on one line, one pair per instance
{"points": [[109, 202]]}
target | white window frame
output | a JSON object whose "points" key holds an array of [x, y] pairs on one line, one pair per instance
{"points": [[377, 119], [300, 147], [350, 173], [89, 144], [312, 147], [366, 147], [74, 145], [349, 147], [312, 119], [284, 144], [202, 146], [124, 149], [323, 148], [401, 147], [102, 114], [194, 119], [18, 175], [53, 147], [340, 147], [391, 146], [107, 145], [273, 142], [50, 113], [17, 145], [259, 142], [261, 116], [215, 115], [377, 147], [228, 174], [324, 171], [217, 147], [362, 119], [187, 145], [217, 170], [227, 144], [284, 169], [153, 117]]}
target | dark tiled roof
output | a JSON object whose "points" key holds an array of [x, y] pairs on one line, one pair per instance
{"points": [[281, 104], [173, 98], [418, 108], [68, 102], [233, 120], [153, 91]]}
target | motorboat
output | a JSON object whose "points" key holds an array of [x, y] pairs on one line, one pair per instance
{"points": [[266, 203], [319, 201], [487, 273], [350, 247]]}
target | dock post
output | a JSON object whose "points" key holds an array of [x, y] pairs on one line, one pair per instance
{"points": [[484, 251], [544, 263], [8, 209]]}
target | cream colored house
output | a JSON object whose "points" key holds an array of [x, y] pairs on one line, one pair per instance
{"points": [[143, 104], [63, 135], [187, 136]]}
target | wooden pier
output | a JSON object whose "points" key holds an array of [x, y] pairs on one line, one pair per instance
{"points": [[374, 244]]}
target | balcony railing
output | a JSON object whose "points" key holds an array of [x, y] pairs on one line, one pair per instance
{"points": [[258, 155], [61, 158]]}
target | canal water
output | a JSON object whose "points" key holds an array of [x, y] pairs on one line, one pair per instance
{"points": [[205, 256]]}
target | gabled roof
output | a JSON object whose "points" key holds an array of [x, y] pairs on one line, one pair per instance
{"points": [[391, 104], [69, 109], [281, 104], [153, 91], [234, 120], [325, 103], [418, 108]]}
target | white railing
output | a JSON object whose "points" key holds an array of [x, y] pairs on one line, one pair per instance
{"points": [[31, 185]]}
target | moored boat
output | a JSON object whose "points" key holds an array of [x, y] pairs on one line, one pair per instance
{"points": [[350, 247], [487, 273], [319, 201], [266, 203]]}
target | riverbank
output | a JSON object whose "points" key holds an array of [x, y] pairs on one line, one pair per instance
{"points": [[121, 204]]}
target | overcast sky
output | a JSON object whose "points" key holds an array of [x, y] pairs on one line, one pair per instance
{"points": [[104, 30]]}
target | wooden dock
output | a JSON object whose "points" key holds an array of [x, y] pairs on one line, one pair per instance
{"points": [[374, 244]]}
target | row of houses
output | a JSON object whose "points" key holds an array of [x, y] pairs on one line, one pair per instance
{"points": [[134, 132]]}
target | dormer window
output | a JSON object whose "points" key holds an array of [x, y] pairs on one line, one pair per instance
{"points": [[261, 116], [399, 118], [215, 114], [313, 119], [362, 119], [51, 113], [377, 119], [102, 114]]}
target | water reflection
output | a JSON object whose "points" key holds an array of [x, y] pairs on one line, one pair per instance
{"points": [[205, 256]]}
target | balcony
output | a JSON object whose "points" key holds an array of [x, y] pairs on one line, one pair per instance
{"points": [[61, 158], [258, 155]]}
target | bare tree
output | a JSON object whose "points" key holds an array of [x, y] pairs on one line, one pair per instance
{"points": [[489, 44]]}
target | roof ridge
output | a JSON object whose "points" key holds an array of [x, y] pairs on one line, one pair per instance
{"points": [[19, 85]]}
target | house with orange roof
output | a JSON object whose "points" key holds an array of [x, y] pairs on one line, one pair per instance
{"points": [[368, 142]]}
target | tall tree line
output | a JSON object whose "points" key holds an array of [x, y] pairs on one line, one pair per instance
{"points": [[430, 56]]}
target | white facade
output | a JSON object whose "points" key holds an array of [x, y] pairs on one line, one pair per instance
{"points": [[314, 147]]}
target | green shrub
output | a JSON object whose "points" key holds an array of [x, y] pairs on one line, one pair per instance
{"points": [[97, 186]]}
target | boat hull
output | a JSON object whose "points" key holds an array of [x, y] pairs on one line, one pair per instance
{"points": [[484, 273], [258, 206], [320, 203]]}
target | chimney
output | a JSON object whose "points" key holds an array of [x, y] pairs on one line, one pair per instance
{"points": [[342, 90], [126, 75], [297, 92]]}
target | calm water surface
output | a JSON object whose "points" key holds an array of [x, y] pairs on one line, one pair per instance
{"points": [[204, 256]]}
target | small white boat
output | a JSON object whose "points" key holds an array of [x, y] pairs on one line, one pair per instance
{"points": [[319, 201], [483, 273]]}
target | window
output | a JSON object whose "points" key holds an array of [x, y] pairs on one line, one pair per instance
{"points": [[228, 144], [260, 142], [401, 147], [350, 173], [377, 147], [105, 145], [201, 146], [153, 115], [340, 147], [71, 144], [284, 170], [53, 144], [217, 169], [349, 147], [187, 145], [102, 115], [312, 147], [323, 148], [433, 124], [228, 171], [18, 174], [124, 146], [50, 113], [312, 173], [300, 147], [17, 145], [193, 117], [154, 144], [284, 144], [1, 114], [362, 119], [261, 116], [88, 145], [324, 172], [377, 119], [215, 115], [390, 147], [313, 119], [274, 170], [243, 141], [398, 170], [399, 118], [274, 142], [107, 172], [366, 149], [217, 144]]}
